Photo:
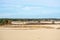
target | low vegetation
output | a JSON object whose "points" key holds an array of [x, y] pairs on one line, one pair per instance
{"points": [[4, 21]]}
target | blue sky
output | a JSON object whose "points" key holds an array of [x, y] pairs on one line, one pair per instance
{"points": [[29, 8]]}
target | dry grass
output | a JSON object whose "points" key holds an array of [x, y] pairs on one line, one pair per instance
{"points": [[25, 27], [58, 28]]}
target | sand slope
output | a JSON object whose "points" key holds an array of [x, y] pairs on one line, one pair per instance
{"points": [[41, 34]]}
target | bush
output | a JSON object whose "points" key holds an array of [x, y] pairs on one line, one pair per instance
{"points": [[2, 22]]}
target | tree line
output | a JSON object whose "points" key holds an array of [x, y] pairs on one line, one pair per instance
{"points": [[8, 21]]}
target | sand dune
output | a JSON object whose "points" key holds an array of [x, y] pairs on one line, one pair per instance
{"points": [[30, 32], [41, 34]]}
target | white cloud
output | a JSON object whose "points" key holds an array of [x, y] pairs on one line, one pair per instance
{"points": [[26, 8], [49, 3], [31, 8], [50, 11]]}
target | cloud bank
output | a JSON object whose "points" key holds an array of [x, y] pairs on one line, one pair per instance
{"points": [[30, 8]]}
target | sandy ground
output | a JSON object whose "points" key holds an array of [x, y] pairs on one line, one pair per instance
{"points": [[40, 33]]}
